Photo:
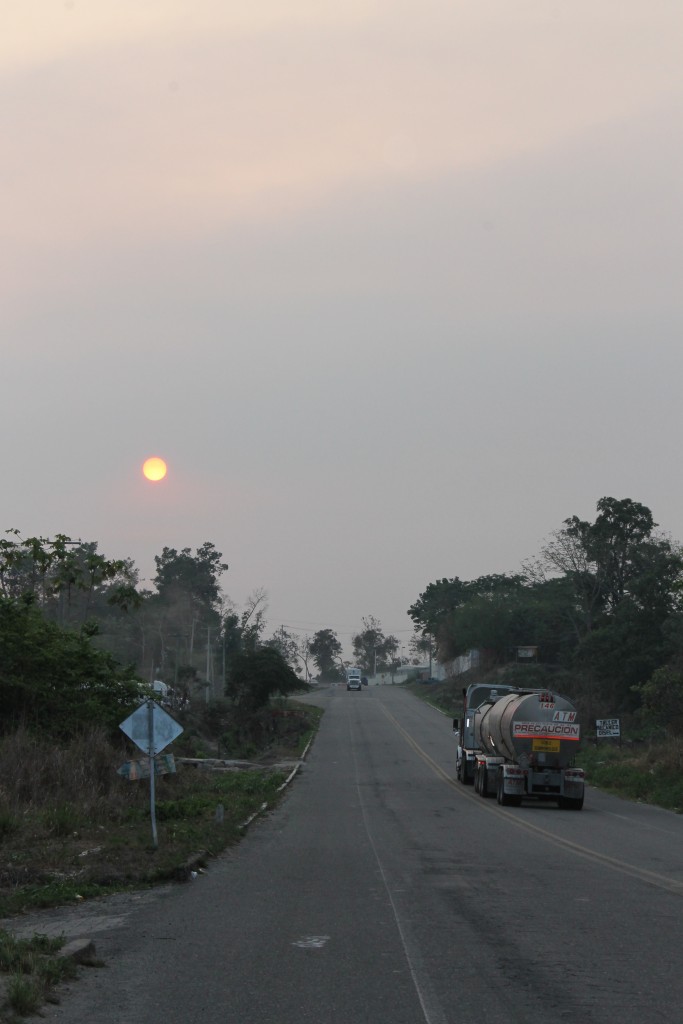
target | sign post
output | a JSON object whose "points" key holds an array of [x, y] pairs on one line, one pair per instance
{"points": [[152, 774], [151, 729]]}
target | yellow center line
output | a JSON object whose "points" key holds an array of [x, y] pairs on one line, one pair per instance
{"points": [[652, 877]]}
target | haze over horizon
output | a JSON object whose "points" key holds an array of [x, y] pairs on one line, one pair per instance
{"points": [[393, 289]]}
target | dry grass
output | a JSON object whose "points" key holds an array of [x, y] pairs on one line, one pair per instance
{"points": [[36, 773], [652, 773], [71, 827]]}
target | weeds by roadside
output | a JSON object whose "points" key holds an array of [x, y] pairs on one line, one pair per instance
{"points": [[71, 828], [32, 969], [652, 773]]}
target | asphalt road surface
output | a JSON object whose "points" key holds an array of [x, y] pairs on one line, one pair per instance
{"points": [[382, 890]]}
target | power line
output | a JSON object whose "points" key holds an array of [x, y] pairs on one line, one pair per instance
{"points": [[339, 632]]}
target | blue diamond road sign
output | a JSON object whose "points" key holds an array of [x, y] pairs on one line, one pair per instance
{"points": [[148, 723]]}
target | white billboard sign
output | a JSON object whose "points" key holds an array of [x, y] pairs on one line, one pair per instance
{"points": [[607, 727]]}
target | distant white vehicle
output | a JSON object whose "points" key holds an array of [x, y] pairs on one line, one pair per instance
{"points": [[353, 679], [160, 688]]}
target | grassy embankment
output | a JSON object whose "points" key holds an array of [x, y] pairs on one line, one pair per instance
{"points": [[71, 828], [651, 772], [31, 968]]}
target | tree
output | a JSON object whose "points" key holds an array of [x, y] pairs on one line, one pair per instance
{"points": [[461, 615], [56, 680], [286, 644], [436, 603], [326, 650], [257, 675], [294, 649], [420, 646], [183, 618], [662, 697], [253, 618], [196, 576], [600, 559], [69, 580], [371, 648], [626, 582]]}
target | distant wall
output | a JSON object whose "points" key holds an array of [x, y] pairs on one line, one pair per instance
{"points": [[464, 663]]}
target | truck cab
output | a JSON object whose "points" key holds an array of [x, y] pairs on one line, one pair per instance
{"points": [[353, 679]]}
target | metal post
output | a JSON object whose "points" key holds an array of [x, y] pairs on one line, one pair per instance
{"points": [[208, 664], [152, 805]]}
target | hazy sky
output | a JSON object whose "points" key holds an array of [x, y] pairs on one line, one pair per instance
{"points": [[394, 287]]}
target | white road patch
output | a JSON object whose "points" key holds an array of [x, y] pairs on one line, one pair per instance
{"points": [[312, 941]]}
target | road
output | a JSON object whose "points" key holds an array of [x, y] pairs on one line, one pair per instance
{"points": [[382, 890]]}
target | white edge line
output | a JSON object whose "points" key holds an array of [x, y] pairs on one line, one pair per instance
{"points": [[262, 808]]}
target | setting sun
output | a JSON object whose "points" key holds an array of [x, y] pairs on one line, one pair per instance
{"points": [[154, 469]]}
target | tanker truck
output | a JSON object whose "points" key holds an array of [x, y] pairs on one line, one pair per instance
{"points": [[522, 743]]}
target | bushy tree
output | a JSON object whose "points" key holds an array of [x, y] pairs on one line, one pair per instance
{"points": [[68, 580], [438, 601], [603, 600], [326, 650], [295, 649], [56, 680], [257, 675], [371, 648], [662, 697]]}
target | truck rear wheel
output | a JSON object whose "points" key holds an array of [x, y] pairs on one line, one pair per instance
{"points": [[570, 803], [506, 799]]}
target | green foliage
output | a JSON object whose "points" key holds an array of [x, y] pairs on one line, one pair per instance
{"points": [[55, 679], [436, 604], [255, 676], [34, 970], [192, 577], [62, 820], [371, 648], [603, 601], [69, 580], [109, 847], [293, 648], [653, 773], [326, 649], [25, 995], [662, 697]]}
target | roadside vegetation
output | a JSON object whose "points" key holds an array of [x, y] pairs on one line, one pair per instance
{"points": [[30, 970], [72, 828], [650, 772], [78, 639]]}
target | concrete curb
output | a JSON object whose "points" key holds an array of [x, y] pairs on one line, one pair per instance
{"points": [[440, 710], [284, 785], [81, 951]]}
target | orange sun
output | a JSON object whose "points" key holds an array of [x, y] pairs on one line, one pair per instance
{"points": [[154, 469]]}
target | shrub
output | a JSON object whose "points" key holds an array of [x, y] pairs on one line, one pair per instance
{"points": [[24, 994]]}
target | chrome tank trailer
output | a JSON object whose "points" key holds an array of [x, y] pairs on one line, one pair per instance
{"points": [[529, 728]]}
